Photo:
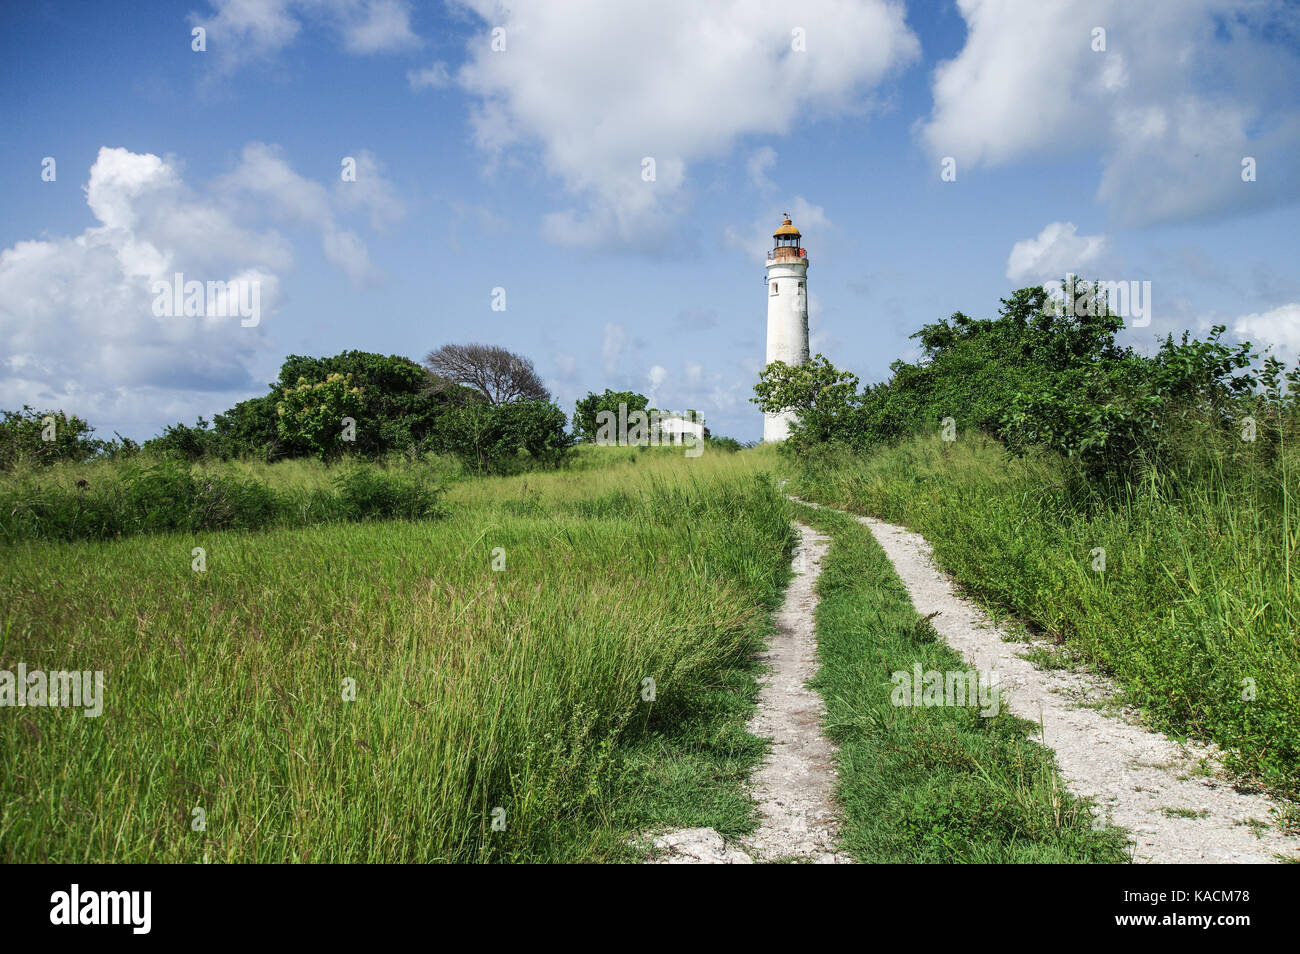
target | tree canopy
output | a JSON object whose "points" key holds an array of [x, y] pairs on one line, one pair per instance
{"points": [[498, 375]]}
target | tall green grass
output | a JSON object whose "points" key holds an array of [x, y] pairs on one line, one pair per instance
{"points": [[1196, 611], [522, 689]]}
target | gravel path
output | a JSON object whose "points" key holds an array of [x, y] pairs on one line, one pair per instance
{"points": [[1174, 798], [795, 785]]}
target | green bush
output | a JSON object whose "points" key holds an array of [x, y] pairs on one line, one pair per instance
{"points": [[320, 415], [586, 409], [152, 496], [169, 496], [366, 492], [489, 438], [44, 437]]}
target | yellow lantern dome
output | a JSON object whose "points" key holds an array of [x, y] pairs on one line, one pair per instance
{"points": [[787, 228]]}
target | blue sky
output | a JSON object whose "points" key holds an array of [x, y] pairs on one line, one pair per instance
{"points": [[521, 168]]}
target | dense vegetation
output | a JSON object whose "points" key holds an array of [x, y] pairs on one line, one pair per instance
{"points": [[1139, 509], [372, 406], [105, 499], [586, 409], [39, 438], [348, 678], [356, 404], [1039, 377]]}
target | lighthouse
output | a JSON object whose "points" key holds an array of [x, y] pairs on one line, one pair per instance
{"points": [[787, 314]]}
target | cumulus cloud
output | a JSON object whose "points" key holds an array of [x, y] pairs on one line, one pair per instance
{"points": [[655, 379], [77, 312], [377, 26], [370, 191], [597, 87], [265, 177], [1279, 327], [241, 31], [1181, 93], [78, 315], [1057, 249]]}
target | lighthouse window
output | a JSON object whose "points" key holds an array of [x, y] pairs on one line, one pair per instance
{"points": [[801, 286], [774, 288]]}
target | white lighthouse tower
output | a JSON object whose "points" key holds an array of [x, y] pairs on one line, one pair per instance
{"points": [[787, 314]]}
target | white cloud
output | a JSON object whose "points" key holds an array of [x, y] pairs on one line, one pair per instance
{"points": [[264, 175], [1056, 250], [76, 312], [377, 26], [1279, 327], [655, 379], [242, 31], [1182, 92], [598, 86], [372, 192]]}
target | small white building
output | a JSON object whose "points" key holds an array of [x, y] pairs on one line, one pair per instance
{"points": [[787, 314]]}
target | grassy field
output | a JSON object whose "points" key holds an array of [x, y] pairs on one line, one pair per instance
{"points": [[517, 694], [475, 685], [1196, 611], [941, 784]]}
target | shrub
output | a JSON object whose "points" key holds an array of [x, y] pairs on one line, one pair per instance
{"points": [[44, 437], [488, 438], [313, 415], [586, 409], [168, 495], [366, 492]]}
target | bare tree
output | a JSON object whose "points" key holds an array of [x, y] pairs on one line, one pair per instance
{"points": [[501, 376]]}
